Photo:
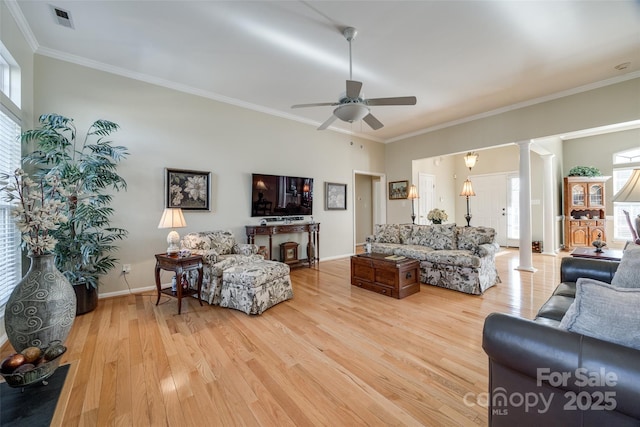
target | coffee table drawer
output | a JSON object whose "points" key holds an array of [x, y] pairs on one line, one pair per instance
{"points": [[380, 289]]}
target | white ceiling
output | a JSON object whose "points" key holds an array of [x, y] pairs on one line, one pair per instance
{"points": [[460, 58]]}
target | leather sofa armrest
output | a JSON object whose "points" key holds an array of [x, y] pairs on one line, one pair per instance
{"points": [[538, 351], [526, 346], [572, 268]]}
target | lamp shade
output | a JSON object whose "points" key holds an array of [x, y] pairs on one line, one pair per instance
{"points": [[630, 192], [470, 159], [172, 218], [467, 189], [413, 192], [260, 185], [351, 112]]}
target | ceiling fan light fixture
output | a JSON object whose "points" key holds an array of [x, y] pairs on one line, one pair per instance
{"points": [[351, 112]]}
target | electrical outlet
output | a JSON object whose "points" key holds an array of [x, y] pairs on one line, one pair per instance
{"points": [[126, 268]]}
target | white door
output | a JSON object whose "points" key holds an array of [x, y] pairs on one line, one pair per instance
{"points": [[427, 194], [489, 207]]}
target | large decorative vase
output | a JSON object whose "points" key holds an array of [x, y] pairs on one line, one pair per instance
{"points": [[436, 221], [41, 308]]}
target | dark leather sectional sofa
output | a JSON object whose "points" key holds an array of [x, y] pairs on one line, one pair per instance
{"points": [[540, 375]]}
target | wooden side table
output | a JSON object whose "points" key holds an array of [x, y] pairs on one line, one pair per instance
{"points": [[179, 265]]}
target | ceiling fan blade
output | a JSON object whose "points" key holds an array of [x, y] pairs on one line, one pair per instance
{"points": [[399, 100], [372, 121], [317, 104], [353, 89], [327, 122]]}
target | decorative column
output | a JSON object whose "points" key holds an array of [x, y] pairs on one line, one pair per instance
{"points": [[526, 255], [548, 211]]}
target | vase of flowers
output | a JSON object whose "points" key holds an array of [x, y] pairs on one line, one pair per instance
{"points": [[437, 216], [42, 307]]}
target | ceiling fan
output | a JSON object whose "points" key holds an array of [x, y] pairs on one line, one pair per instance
{"points": [[351, 106]]}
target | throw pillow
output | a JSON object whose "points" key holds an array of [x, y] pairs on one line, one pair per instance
{"points": [[387, 233], [470, 238], [628, 273], [442, 237], [606, 312]]}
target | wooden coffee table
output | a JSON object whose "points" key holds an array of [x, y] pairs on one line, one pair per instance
{"points": [[394, 277], [606, 254]]}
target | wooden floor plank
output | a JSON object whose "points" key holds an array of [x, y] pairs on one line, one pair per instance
{"points": [[333, 355]]}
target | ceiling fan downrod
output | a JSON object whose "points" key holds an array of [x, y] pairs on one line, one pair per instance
{"points": [[350, 33]]}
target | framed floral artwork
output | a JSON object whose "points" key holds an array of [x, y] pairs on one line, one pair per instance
{"points": [[398, 190], [335, 196], [187, 189]]}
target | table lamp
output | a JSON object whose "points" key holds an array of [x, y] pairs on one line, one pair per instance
{"points": [[630, 193], [172, 218], [261, 186], [467, 191], [413, 194]]}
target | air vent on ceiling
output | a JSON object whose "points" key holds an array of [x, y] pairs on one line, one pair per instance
{"points": [[63, 17]]}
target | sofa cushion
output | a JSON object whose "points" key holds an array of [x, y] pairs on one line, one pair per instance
{"points": [[418, 252], [455, 257], [555, 307], [628, 272], [566, 289], [199, 241], [437, 236], [606, 312], [384, 248], [387, 233], [405, 233], [221, 241], [471, 237]]}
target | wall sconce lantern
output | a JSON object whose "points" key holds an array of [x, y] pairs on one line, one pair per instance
{"points": [[470, 159]]}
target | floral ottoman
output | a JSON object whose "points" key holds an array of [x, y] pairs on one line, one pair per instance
{"points": [[256, 286]]}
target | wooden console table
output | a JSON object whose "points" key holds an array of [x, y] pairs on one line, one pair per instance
{"points": [[313, 230]]}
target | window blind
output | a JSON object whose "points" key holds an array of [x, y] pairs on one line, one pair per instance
{"points": [[10, 253]]}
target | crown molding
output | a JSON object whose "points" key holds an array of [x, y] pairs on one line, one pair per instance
{"points": [[21, 21], [519, 105]]}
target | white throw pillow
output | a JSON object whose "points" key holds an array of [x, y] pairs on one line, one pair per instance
{"points": [[606, 312], [628, 273]]}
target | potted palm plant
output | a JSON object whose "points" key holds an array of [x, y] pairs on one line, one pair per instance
{"points": [[88, 173]]}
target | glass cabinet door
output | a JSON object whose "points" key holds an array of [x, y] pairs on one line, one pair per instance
{"points": [[595, 195], [577, 195]]}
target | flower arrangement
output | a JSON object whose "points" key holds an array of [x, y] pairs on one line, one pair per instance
{"points": [[437, 216], [37, 208]]}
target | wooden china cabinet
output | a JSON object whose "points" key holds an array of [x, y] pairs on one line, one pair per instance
{"points": [[584, 210]]}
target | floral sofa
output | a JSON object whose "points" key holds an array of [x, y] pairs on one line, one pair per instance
{"points": [[458, 258], [219, 251]]}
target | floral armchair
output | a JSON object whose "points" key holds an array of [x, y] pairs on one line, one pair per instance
{"points": [[219, 251]]}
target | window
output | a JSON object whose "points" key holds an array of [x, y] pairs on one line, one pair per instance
{"points": [[10, 78], [623, 164], [10, 254]]}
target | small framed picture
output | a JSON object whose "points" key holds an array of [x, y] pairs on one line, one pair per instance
{"points": [[187, 189], [335, 196], [398, 190]]}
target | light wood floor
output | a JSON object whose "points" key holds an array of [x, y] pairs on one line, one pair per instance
{"points": [[335, 355]]}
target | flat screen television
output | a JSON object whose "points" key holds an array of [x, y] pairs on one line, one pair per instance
{"points": [[278, 195]]}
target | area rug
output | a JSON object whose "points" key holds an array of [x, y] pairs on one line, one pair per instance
{"points": [[33, 405]]}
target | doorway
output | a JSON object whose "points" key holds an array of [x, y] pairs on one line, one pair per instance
{"points": [[427, 196], [368, 200], [496, 205]]}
